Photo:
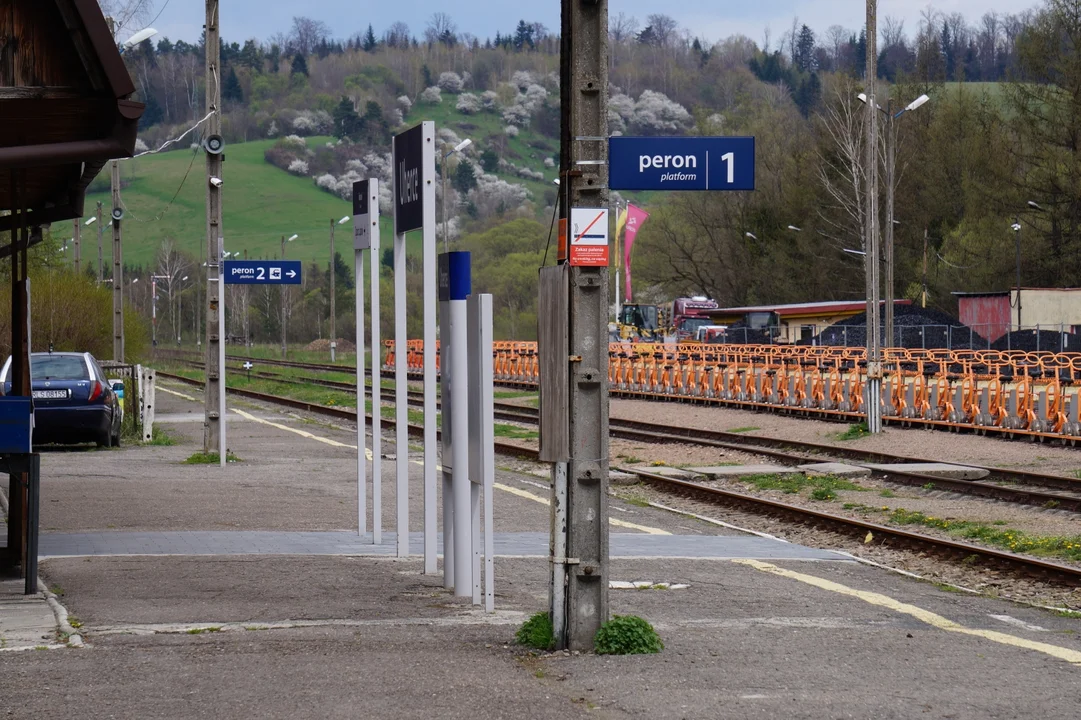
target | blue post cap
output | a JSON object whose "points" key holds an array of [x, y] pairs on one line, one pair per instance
{"points": [[454, 276]]}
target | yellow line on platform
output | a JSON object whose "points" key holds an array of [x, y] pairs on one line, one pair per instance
{"points": [[933, 619]]}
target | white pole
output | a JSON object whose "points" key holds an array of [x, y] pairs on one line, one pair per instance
{"points": [[463, 537], [446, 342], [401, 398], [559, 550], [223, 449], [482, 443], [430, 290], [362, 480], [374, 262]]}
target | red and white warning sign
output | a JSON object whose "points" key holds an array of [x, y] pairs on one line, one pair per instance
{"points": [[589, 237]]}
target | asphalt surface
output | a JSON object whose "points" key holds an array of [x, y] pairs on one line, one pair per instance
{"points": [[338, 636]]}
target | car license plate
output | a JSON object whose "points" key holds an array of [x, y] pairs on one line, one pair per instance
{"points": [[50, 394]]}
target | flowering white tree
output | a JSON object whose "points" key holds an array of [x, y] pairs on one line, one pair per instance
{"points": [[468, 104], [450, 82], [431, 96]]}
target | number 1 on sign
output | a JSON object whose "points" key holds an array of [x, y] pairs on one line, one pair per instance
{"points": [[729, 159]]}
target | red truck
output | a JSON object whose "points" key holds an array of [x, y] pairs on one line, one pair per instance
{"points": [[689, 314]]}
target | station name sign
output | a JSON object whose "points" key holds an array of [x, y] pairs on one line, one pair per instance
{"points": [[409, 177], [681, 163], [262, 272]]}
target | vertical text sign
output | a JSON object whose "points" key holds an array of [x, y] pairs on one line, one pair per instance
{"points": [[408, 176], [362, 219]]}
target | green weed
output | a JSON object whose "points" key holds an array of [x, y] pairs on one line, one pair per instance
{"points": [[515, 433], [854, 432], [797, 482], [1068, 547], [210, 459], [627, 635], [823, 494], [160, 438], [749, 428], [887, 494], [536, 632]]}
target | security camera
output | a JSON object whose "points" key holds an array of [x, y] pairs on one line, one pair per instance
{"points": [[216, 182], [214, 144], [118, 213]]}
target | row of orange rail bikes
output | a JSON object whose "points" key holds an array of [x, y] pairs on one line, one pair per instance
{"points": [[1012, 392]]}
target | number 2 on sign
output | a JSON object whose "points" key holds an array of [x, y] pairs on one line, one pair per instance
{"points": [[262, 274], [729, 159]]}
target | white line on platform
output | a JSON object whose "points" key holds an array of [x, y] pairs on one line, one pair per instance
{"points": [[1018, 622], [178, 394], [933, 619], [612, 521]]}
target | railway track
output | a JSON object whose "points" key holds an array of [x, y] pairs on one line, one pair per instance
{"points": [[1016, 486], [951, 549]]}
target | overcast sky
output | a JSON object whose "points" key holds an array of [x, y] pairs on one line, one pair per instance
{"points": [[710, 19]]}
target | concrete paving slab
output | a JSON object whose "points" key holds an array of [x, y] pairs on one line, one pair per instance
{"points": [[26, 621], [942, 470], [838, 469], [671, 472], [720, 471]]}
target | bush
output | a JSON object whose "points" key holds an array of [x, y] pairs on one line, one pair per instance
{"points": [[467, 104], [536, 633], [450, 82], [431, 96], [298, 167], [627, 635]]}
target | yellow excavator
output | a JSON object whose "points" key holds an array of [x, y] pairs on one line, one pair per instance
{"points": [[640, 323]]}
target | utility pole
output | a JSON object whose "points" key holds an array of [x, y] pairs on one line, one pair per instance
{"points": [[118, 271], [584, 179], [284, 290], [77, 224], [214, 387], [891, 180], [1017, 235], [333, 329], [871, 231], [923, 295], [101, 260]]}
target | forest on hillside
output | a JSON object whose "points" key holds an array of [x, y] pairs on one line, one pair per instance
{"points": [[1001, 134]]}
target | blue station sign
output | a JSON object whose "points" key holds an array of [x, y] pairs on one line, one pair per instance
{"points": [[681, 163], [262, 272]]}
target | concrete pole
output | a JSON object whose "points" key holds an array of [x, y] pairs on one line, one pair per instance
{"points": [[214, 394], [118, 271], [923, 295], [77, 224], [871, 231], [584, 176], [101, 260], [891, 181], [1017, 233]]}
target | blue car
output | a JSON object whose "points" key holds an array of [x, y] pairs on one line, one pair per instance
{"points": [[73, 401]]}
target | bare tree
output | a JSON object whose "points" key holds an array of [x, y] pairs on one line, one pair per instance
{"points": [[622, 28], [664, 28], [841, 168], [893, 32], [306, 34], [172, 266], [836, 38], [397, 35], [128, 15], [440, 25]]}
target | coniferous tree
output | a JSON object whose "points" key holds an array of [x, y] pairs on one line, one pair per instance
{"points": [[300, 65], [370, 42]]}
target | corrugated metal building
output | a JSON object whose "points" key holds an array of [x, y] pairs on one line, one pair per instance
{"points": [[993, 314]]}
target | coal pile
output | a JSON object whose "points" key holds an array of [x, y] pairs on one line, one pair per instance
{"points": [[1038, 341], [914, 327]]}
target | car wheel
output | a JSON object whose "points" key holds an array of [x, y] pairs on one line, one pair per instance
{"points": [[105, 439], [116, 439]]}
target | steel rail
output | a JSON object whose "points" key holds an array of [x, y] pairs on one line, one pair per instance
{"points": [[952, 549], [860, 528]]}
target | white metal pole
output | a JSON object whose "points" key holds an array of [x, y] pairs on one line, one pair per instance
{"points": [[487, 419], [446, 342], [463, 536], [430, 290], [223, 449], [559, 550], [481, 442], [377, 366], [401, 398], [362, 481], [377, 390]]}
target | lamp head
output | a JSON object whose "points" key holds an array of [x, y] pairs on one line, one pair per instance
{"points": [[463, 145], [93, 219], [139, 37], [793, 228], [344, 220], [292, 238], [862, 97], [917, 102], [1016, 227]]}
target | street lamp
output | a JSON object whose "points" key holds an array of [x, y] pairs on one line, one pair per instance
{"points": [[1016, 227], [93, 219], [285, 292], [752, 236], [793, 228], [333, 308], [131, 286], [891, 182], [443, 167], [137, 38], [180, 310]]}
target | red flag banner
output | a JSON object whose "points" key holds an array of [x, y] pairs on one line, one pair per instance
{"points": [[635, 217]]}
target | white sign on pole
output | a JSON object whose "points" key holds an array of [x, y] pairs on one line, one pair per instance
{"points": [[365, 225]]}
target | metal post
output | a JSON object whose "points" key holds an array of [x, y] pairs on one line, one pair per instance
{"points": [[1017, 233], [443, 208], [431, 537], [584, 175], [891, 179], [923, 295], [118, 271], [77, 225], [153, 311], [366, 237], [871, 231], [33, 513], [214, 393], [462, 547], [333, 312], [377, 368], [101, 257], [401, 397], [362, 460], [446, 353], [282, 290], [482, 442]]}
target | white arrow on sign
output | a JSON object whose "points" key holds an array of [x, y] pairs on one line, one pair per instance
{"points": [[291, 273]]}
